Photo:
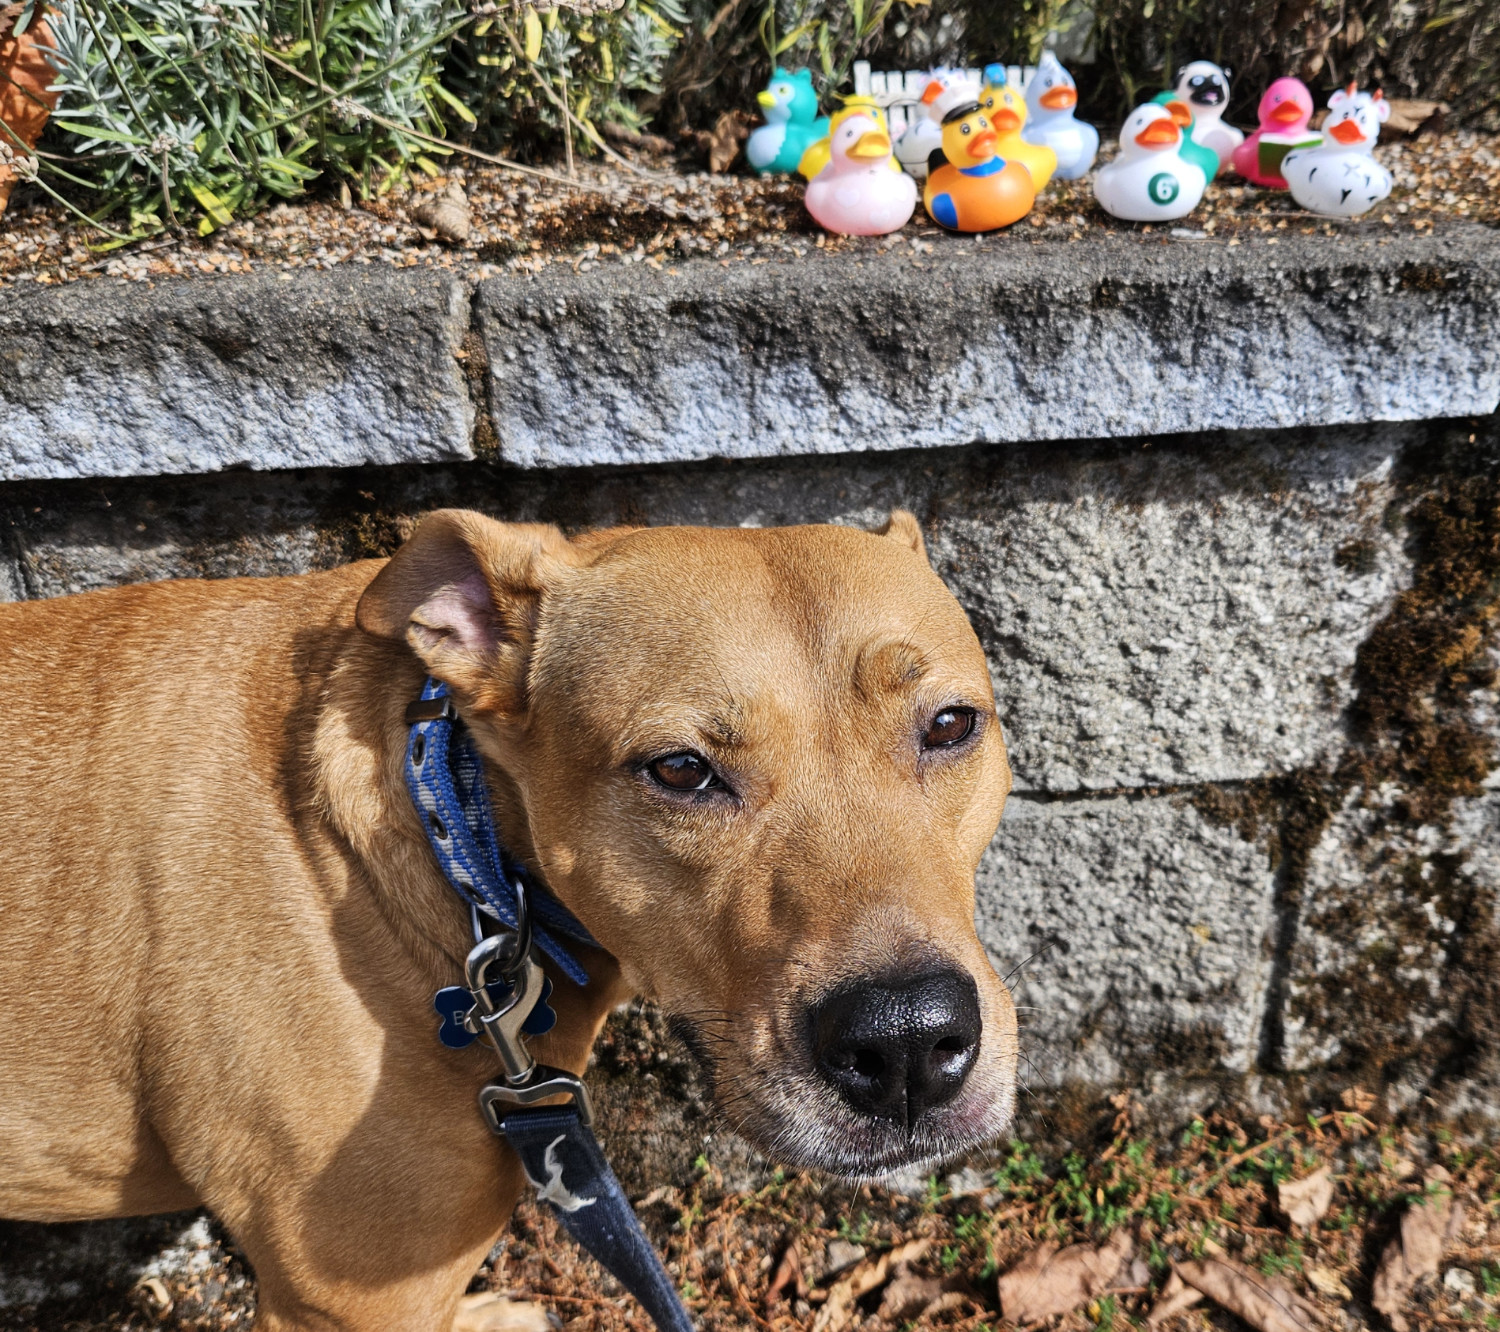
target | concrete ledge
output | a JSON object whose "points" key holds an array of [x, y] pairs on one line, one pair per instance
{"points": [[993, 342], [1104, 338], [341, 368]]}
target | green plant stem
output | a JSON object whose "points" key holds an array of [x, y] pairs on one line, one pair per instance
{"points": [[332, 94], [78, 212], [115, 69], [538, 172]]}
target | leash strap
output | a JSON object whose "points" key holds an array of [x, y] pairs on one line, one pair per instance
{"points": [[557, 1147], [445, 776], [563, 1161]]}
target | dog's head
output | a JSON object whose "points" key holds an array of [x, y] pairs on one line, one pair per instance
{"points": [[761, 766]]}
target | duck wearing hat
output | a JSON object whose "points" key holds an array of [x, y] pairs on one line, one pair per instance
{"points": [[1340, 177], [1050, 97], [1192, 151], [860, 191], [1204, 86], [924, 136], [970, 187], [1285, 108], [1150, 181], [790, 106], [1005, 109]]}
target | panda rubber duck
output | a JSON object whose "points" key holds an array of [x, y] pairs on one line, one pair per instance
{"points": [[1204, 86]]}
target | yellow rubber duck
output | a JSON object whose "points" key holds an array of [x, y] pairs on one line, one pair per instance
{"points": [[820, 153], [970, 187], [1005, 109]]}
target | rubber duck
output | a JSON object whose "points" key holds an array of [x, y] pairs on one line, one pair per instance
{"points": [[1204, 86], [1200, 155], [970, 187], [1051, 96], [790, 106], [1005, 109], [861, 191], [924, 136], [1285, 108], [1150, 181], [1340, 177]]}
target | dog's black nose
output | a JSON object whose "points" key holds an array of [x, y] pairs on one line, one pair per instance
{"points": [[896, 1049]]}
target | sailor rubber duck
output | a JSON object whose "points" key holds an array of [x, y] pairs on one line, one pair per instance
{"points": [[1340, 177], [924, 135], [1204, 86], [1051, 96], [1285, 108], [1150, 181], [1005, 109], [1201, 156], [790, 106], [969, 186], [861, 191]]}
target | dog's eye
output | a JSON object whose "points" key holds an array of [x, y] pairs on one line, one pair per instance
{"points": [[684, 772], [948, 728]]}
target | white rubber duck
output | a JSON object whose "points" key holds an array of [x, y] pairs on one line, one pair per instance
{"points": [[1050, 98], [1340, 177], [1150, 181], [916, 145], [1204, 86]]}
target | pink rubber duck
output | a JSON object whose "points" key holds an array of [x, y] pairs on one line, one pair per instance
{"points": [[861, 191], [1284, 111]]}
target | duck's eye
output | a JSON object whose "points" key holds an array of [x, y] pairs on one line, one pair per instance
{"points": [[963, 129], [685, 771], [952, 726]]}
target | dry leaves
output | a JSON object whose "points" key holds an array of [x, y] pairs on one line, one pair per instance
{"points": [[1428, 1226], [730, 130], [445, 216], [789, 1282], [1176, 1297], [1410, 114], [1049, 1281], [1305, 1202], [489, 1312], [1267, 1304], [842, 1305]]}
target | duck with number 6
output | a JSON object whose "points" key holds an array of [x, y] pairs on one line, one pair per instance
{"points": [[1150, 181]]}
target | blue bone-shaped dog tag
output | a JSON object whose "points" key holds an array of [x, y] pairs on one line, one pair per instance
{"points": [[453, 1003]]}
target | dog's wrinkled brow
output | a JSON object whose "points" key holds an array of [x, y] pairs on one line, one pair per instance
{"points": [[887, 666]]}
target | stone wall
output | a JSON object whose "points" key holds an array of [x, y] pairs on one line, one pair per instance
{"points": [[1223, 865]]}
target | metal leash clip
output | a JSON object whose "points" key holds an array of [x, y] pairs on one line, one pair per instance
{"points": [[508, 958]]}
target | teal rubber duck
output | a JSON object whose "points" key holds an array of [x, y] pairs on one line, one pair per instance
{"points": [[790, 106], [1200, 155]]}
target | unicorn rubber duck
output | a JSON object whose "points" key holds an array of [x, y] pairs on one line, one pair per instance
{"points": [[1150, 181], [1285, 108], [1341, 177], [1005, 109], [861, 191], [924, 136], [969, 186], [1200, 155], [1051, 96], [790, 107], [1204, 86]]}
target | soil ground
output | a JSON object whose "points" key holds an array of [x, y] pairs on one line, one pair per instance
{"points": [[651, 211], [772, 1258]]}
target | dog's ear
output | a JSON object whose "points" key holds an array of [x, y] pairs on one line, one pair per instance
{"points": [[903, 527], [464, 592]]}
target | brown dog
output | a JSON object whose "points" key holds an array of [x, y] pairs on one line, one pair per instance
{"points": [[761, 767]]}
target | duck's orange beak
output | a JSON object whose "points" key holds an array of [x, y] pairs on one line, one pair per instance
{"points": [[1346, 131], [1005, 120], [870, 145], [1158, 133], [1288, 113], [931, 93], [982, 144], [1180, 112], [1059, 98]]}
